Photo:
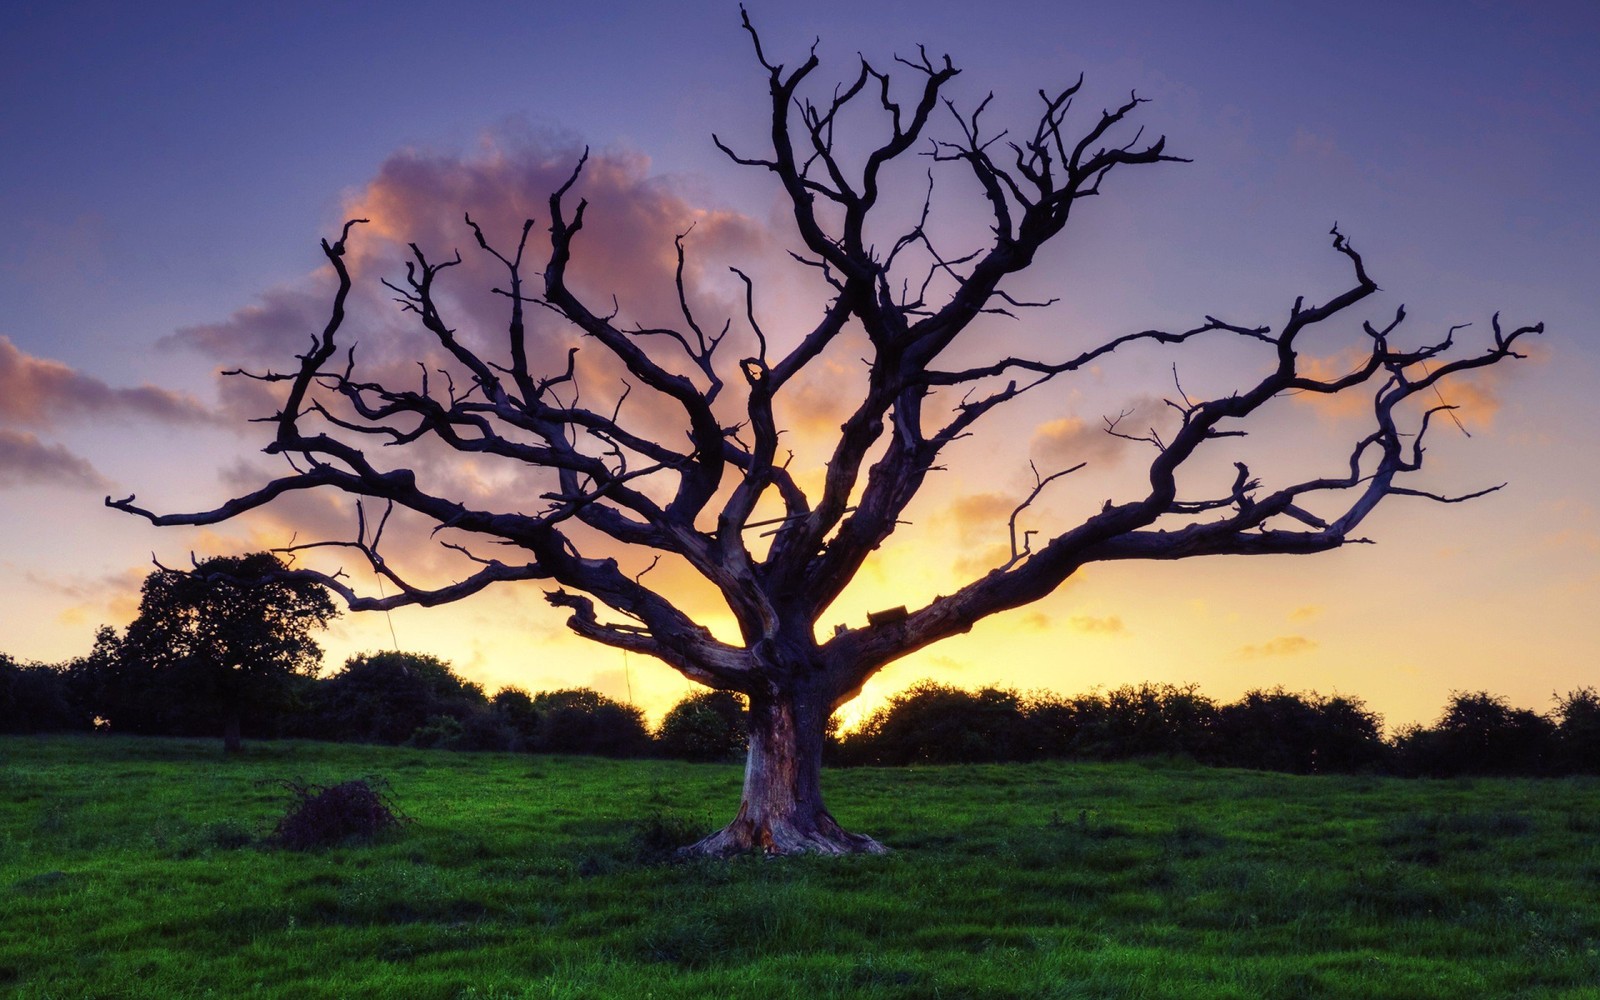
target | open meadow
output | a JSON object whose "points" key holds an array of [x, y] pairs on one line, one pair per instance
{"points": [[140, 867]]}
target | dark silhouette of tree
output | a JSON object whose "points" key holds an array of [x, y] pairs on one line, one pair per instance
{"points": [[1143, 720], [704, 478], [224, 639], [515, 709], [94, 682]]}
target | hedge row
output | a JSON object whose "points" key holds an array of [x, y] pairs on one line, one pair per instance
{"points": [[396, 698]]}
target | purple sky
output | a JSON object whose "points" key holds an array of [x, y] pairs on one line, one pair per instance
{"points": [[170, 168]]}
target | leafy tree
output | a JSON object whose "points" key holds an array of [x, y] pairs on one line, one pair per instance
{"points": [[683, 459], [516, 711], [581, 720], [386, 697], [222, 640], [96, 685], [706, 726], [34, 698]]}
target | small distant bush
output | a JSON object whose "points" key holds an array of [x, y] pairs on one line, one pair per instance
{"points": [[1144, 720], [440, 732], [329, 815], [515, 710]]}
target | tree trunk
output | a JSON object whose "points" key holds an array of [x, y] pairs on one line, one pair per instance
{"points": [[782, 811]]}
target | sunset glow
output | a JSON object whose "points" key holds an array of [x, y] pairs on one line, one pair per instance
{"points": [[167, 180]]}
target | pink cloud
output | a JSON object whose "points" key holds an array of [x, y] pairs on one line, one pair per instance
{"points": [[27, 461], [38, 392], [277, 327], [626, 250]]}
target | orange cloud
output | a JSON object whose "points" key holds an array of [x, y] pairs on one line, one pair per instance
{"points": [[1474, 394], [1353, 402], [624, 250], [1475, 397], [110, 599], [1283, 645], [1305, 613], [982, 516], [1109, 625], [1066, 441]]}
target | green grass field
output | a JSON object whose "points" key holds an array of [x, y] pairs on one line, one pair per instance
{"points": [[136, 868]]}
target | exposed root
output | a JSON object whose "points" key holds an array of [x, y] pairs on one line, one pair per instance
{"points": [[779, 837]]}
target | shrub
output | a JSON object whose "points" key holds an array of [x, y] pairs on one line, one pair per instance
{"points": [[439, 732], [328, 815], [705, 726], [1052, 724]]}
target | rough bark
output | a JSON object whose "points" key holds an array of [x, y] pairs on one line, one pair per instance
{"points": [[781, 810]]}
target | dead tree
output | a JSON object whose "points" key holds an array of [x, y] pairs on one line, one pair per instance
{"points": [[691, 490]]}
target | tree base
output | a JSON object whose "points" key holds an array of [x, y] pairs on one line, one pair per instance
{"points": [[781, 837]]}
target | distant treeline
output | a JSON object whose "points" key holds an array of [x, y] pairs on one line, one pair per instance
{"points": [[1276, 730], [418, 700]]}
